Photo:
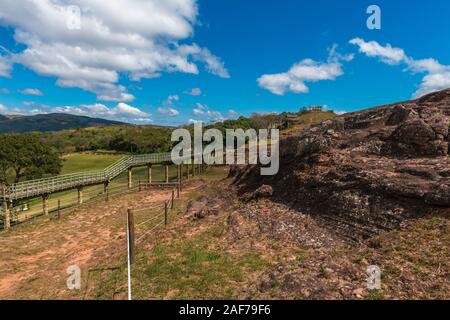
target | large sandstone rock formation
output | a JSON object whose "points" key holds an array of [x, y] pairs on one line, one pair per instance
{"points": [[367, 171]]}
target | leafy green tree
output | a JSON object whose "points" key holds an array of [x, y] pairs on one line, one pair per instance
{"points": [[263, 121], [25, 156]]}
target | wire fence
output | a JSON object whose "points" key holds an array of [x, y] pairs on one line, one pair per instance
{"points": [[144, 221], [70, 204], [159, 215]]}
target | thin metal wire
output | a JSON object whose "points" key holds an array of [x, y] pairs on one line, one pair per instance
{"points": [[150, 230], [121, 186], [148, 208], [151, 219]]}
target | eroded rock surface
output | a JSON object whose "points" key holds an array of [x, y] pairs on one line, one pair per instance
{"points": [[368, 171]]}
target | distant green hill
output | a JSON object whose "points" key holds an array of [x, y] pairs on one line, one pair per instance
{"points": [[50, 122]]}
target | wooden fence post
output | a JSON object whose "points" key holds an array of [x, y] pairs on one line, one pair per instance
{"points": [[6, 215], [187, 171], [59, 209], [139, 185], [167, 174], [45, 204], [6, 212], [166, 209], [178, 189], [130, 181], [130, 224], [149, 174], [106, 190], [80, 196], [173, 197]]}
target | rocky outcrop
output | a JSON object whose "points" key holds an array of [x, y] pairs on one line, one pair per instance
{"points": [[368, 171], [262, 192], [204, 207]]}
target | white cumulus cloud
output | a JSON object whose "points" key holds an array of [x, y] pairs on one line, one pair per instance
{"points": [[387, 54], [195, 92], [134, 38], [121, 112], [5, 67], [32, 92], [233, 114], [169, 109], [307, 70], [205, 113], [437, 75]]}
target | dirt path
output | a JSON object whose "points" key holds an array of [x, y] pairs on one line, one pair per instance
{"points": [[36, 255]]}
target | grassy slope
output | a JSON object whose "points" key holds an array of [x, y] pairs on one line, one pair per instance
{"points": [[79, 162], [307, 119], [216, 258], [190, 260]]}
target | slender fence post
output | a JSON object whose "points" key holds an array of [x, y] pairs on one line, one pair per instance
{"points": [[130, 247], [130, 224], [187, 171], [45, 204], [80, 196], [166, 209], [149, 174], [6, 215], [173, 197], [178, 189], [59, 209], [139, 185], [130, 177], [107, 191], [6, 211]]}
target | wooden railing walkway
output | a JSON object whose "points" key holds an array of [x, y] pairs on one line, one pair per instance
{"points": [[33, 188]]}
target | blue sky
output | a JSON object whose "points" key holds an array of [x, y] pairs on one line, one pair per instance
{"points": [[238, 56]]}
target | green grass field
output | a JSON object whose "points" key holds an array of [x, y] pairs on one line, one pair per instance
{"points": [[79, 162]]}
